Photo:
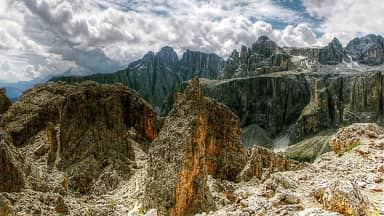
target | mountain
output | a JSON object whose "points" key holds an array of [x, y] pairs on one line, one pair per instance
{"points": [[367, 50], [157, 75]]}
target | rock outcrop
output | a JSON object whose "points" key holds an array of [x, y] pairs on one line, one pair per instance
{"points": [[273, 102], [263, 57], [341, 99], [264, 162], [87, 127], [367, 50], [12, 178], [349, 137], [344, 197], [332, 54], [199, 64], [5, 103], [200, 137]]}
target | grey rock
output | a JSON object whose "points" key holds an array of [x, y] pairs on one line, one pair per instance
{"points": [[332, 54], [367, 50]]}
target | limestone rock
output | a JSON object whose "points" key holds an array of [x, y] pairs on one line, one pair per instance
{"points": [[5, 103], [5, 207], [332, 54], [199, 137], [349, 137], [263, 57], [264, 162], [343, 197], [87, 127], [367, 50], [12, 178]]}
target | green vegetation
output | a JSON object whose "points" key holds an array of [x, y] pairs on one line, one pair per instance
{"points": [[349, 148]]}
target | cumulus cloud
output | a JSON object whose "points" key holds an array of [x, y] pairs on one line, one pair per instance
{"points": [[50, 36], [347, 19]]}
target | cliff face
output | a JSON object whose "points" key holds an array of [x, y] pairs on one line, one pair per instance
{"points": [[332, 54], [367, 50], [82, 129], [199, 137], [342, 100], [271, 102], [263, 57], [5, 103]]}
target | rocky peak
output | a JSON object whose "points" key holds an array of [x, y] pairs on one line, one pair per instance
{"points": [[199, 64], [199, 137], [264, 46], [167, 56], [367, 50], [332, 54]]}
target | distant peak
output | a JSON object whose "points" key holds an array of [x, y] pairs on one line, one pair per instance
{"points": [[168, 54], [263, 38], [167, 49]]}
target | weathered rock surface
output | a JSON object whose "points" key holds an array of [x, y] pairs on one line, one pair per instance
{"points": [[5, 207], [199, 137], [332, 54], [344, 197], [349, 137], [341, 99], [367, 50], [273, 102], [5, 103], [263, 57], [263, 162], [87, 127], [12, 178]]}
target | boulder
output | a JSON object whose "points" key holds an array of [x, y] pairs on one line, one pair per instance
{"points": [[349, 137], [344, 197], [200, 137]]}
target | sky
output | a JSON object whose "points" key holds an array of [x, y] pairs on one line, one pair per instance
{"points": [[40, 38]]}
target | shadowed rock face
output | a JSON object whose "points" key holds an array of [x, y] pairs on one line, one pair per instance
{"points": [[89, 126], [5, 103], [271, 102], [263, 57], [11, 175], [199, 137], [341, 100], [367, 50], [332, 54]]}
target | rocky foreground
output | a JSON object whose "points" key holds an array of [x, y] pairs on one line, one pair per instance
{"points": [[93, 149]]}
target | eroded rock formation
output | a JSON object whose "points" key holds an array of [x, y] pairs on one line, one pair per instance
{"points": [[264, 162], [88, 127], [199, 137]]}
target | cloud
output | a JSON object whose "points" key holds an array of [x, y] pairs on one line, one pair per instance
{"points": [[347, 19], [102, 36]]}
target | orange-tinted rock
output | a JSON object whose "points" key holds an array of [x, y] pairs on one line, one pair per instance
{"points": [[199, 137]]}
